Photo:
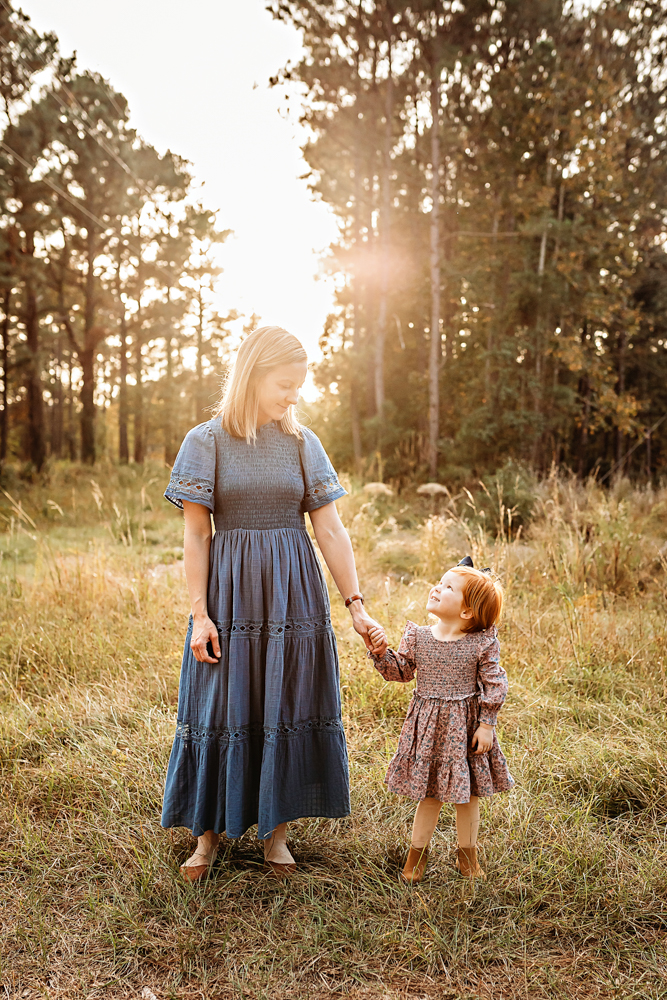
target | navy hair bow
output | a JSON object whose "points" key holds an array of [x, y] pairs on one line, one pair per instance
{"points": [[467, 561]]}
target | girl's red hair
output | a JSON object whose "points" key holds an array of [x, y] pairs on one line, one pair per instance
{"points": [[481, 595]]}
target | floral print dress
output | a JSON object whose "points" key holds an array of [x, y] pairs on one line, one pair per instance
{"points": [[460, 684]]}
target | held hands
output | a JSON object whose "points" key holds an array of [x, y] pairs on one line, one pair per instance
{"points": [[203, 632], [378, 637], [483, 738], [370, 631]]}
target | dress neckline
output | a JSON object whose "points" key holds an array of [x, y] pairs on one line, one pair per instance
{"points": [[448, 642]]}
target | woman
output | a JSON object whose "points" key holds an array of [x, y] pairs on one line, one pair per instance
{"points": [[259, 737]]}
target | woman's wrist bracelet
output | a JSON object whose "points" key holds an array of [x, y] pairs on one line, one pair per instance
{"points": [[354, 597]]}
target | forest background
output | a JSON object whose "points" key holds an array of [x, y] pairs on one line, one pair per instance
{"points": [[499, 177]]}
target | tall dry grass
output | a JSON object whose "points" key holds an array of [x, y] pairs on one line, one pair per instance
{"points": [[93, 610]]}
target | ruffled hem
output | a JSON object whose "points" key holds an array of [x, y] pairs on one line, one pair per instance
{"points": [[435, 758], [482, 776], [228, 781]]}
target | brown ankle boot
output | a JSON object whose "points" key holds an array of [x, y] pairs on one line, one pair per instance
{"points": [[467, 863], [415, 865]]}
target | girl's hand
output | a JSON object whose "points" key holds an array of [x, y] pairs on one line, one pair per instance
{"points": [[378, 637], [203, 632], [483, 738]]}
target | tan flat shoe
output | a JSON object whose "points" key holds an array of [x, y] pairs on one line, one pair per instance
{"points": [[415, 865], [194, 872], [467, 864], [280, 871]]}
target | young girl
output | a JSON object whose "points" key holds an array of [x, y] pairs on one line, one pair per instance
{"points": [[447, 750]]}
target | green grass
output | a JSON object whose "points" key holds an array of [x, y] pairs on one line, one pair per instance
{"points": [[93, 610]]}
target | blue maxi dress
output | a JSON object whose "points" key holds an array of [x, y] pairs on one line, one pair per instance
{"points": [[259, 737]]}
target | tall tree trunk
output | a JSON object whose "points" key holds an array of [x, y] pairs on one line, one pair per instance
{"points": [[70, 438], [356, 319], [87, 357], [585, 395], [199, 369], [620, 437], [169, 449], [435, 353], [541, 321], [57, 405], [381, 332], [87, 397], [123, 408], [138, 392], [4, 360], [36, 448]]}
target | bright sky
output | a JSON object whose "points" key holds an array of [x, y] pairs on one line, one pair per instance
{"points": [[196, 78]]}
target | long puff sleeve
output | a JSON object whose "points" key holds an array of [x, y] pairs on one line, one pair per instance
{"points": [[193, 474], [321, 485], [491, 681], [400, 665]]}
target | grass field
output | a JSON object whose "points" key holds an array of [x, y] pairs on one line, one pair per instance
{"points": [[93, 613]]}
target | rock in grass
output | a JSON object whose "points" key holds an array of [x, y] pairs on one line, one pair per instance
{"points": [[379, 489], [432, 490]]}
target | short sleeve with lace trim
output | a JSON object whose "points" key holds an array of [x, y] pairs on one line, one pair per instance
{"points": [[193, 474], [321, 485]]}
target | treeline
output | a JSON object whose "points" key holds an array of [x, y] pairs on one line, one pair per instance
{"points": [[499, 172], [109, 338]]}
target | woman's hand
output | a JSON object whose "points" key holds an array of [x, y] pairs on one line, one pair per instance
{"points": [[483, 738], [370, 631], [203, 632]]}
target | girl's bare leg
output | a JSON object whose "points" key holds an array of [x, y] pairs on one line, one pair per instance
{"points": [[275, 847], [425, 822], [467, 822]]}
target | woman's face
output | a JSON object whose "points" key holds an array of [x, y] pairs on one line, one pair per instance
{"points": [[278, 390]]}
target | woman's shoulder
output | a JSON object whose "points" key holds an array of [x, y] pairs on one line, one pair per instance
{"points": [[212, 433], [309, 438], [198, 444], [200, 432]]}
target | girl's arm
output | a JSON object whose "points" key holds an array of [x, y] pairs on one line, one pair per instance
{"points": [[493, 681], [336, 548], [196, 545], [399, 665]]}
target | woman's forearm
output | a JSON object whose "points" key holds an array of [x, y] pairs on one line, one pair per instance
{"points": [[336, 548], [196, 548], [195, 560], [196, 551]]}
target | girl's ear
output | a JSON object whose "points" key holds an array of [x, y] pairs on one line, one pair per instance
{"points": [[466, 613]]}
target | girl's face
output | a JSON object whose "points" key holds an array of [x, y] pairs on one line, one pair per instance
{"points": [[278, 390], [445, 600]]}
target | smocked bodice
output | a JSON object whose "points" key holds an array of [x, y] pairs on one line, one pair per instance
{"points": [[263, 486], [449, 671]]}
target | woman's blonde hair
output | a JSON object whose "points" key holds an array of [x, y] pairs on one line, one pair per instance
{"points": [[481, 595], [261, 352]]}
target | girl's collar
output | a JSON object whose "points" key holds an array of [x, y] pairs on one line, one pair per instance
{"points": [[448, 641]]}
